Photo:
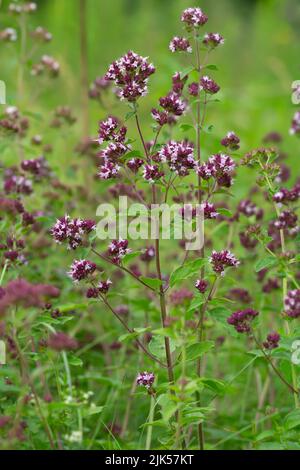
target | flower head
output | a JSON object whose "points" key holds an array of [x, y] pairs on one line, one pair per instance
{"points": [[292, 303], [193, 18], [179, 156], [295, 126], [201, 285], [231, 140], [81, 269], [208, 85], [118, 249], [218, 166], [221, 260], [272, 341], [130, 73], [60, 341], [173, 103], [180, 44], [145, 379], [152, 173], [213, 40], [241, 320], [71, 230]]}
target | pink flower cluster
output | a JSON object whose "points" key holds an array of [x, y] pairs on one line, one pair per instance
{"points": [[292, 303], [130, 73], [193, 18], [71, 230], [213, 40], [81, 269], [221, 260], [110, 131], [180, 44], [220, 167], [295, 127], [241, 320], [179, 156], [145, 379], [118, 249], [231, 141], [272, 341]]}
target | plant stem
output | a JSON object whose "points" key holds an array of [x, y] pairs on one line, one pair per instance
{"points": [[150, 426], [84, 67]]}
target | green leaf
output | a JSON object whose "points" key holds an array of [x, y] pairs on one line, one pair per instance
{"points": [[95, 410], [130, 336], [267, 262], [187, 270], [292, 420], [168, 407], [198, 349], [130, 256], [74, 360], [186, 127], [225, 212], [154, 283], [211, 67], [216, 386]]}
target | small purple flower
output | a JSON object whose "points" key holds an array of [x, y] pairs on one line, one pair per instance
{"points": [[180, 44], [37, 167], [179, 156], [292, 303], [241, 320], [81, 269], [178, 83], [242, 295], [104, 286], [231, 140], [134, 164], [249, 209], [193, 18], [194, 89], [148, 254], [151, 173], [213, 40], [71, 230], [287, 219], [201, 285], [295, 127], [208, 85], [209, 210], [130, 73], [145, 379], [272, 341], [107, 129], [108, 170], [161, 117], [221, 260], [118, 249], [218, 166], [92, 293], [173, 103], [17, 184]]}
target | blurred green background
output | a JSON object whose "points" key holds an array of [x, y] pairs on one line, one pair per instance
{"points": [[257, 64]]}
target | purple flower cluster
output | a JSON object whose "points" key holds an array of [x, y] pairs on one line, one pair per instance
{"points": [[209, 210], [213, 40], [295, 127], [145, 379], [148, 254], [221, 260], [152, 173], [180, 44], [287, 219], [193, 18], [231, 140], [37, 167], [208, 85], [249, 209], [102, 288], [130, 73], [17, 184], [241, 320], [8, 34], [284, 195], [292, 303], [272, 341], [81, 269], [201, 285], [179, 156], [134, 164], [110, 131], [239, 294], [97, 87], [46, 63], [220, 167], [173, 104], [71, 230], [118, 249], [60, 341]]}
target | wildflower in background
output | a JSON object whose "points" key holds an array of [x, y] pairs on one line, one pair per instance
{"points": [[287, 219], [42, 34], [270, 285], [247, 240], [130, 73], [148, 254], [242, 295], [98, 86], [37, 167], [145, 379], [92, 293], [81, 269], [47, 63], [8, 34], [249, 209], [179, 156], [283, 195], [213, 40], [221, 260], [273, 137], [60, 341], [201, 285], [180, 44], [231, 140], [292, 303], [17, 184], [295, 126], [272, 341], [193, 18], [241, 320], [151, 173], [71, 230], [208, 85]]}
